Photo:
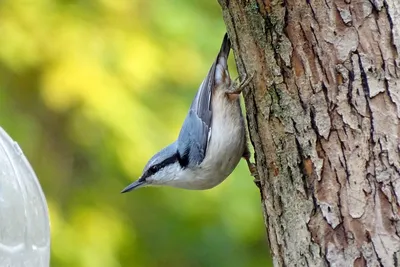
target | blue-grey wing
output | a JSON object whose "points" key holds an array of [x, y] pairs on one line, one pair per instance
{"points": [[193, 138], [195, 133]]}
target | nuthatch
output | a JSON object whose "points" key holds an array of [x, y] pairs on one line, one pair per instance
{"points": [[213, 137]]}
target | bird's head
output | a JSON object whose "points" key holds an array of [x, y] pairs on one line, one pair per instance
{"points": [[161, 169]]}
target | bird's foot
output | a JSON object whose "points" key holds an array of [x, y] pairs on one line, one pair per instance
{"points": [[257, 182], [237, 86], [254, 172]]}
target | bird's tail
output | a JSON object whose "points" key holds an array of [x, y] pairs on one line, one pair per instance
{"points": [[225, 47], [221, 62]]}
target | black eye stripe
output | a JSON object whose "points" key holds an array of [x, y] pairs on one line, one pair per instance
{"points": [[156, 167], [183, 159]]}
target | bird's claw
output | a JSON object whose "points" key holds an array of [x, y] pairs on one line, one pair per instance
{"points": [[254, 173], [238, 86]]}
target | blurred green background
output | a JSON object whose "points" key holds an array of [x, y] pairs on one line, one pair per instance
{"points": [[91, 90]]}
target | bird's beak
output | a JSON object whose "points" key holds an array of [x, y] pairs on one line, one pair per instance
{"points": [[133, 185]]}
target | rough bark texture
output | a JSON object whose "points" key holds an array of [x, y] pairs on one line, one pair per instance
{"points": [[324, 117]]}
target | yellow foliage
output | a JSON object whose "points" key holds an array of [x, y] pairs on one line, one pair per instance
{"points": [[91, 90]]}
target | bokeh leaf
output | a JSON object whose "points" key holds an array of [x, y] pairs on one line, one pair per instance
{"points": [[91, 90]]}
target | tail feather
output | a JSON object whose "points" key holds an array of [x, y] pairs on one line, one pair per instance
{"points": [[221, 74], [225, 47]]}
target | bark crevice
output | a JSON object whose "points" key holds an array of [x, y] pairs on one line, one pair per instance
{"points": [[324, 118]]}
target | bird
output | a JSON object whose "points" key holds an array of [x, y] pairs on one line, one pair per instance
{"points": [[213, 137]]}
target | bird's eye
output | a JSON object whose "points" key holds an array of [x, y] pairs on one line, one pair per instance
{"points": [[152, 169]]}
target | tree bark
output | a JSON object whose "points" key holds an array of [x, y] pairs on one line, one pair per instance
{"points": [[323, 111]]}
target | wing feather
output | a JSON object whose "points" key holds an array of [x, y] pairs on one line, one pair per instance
{"points": [[194, 136]]}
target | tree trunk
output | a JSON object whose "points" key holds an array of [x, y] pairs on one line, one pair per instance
{"points": [[324, 117]]}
